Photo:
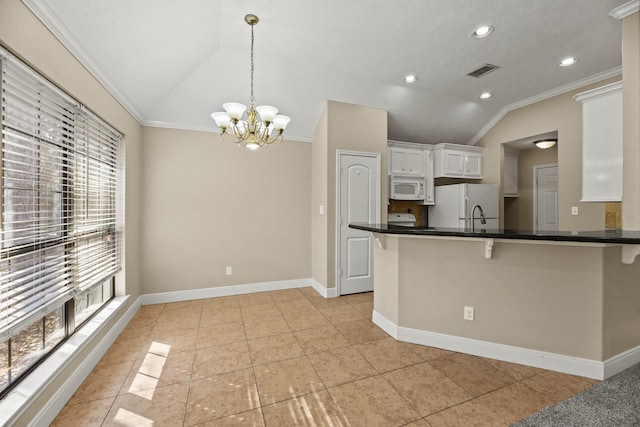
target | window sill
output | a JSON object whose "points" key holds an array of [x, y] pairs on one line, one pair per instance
{"points": [[18, 400]]}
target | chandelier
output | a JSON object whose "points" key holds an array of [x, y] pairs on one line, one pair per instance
{"points": [[252, 133]]}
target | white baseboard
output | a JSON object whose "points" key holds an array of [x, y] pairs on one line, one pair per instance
{"points": [[325, 292], [539, 359], [19, 399], [223, 291]]}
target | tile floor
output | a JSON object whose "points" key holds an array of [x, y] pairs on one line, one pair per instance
{"points": [[293, 358]]}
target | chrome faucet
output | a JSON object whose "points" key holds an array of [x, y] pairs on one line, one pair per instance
{"points": [[483, 221]]}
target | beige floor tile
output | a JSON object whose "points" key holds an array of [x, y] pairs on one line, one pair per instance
{"points": [[177, 320], [361, 331], [152, 311], [428, 353], [309, 291], [514, 370], [286, 294], [342, 314], [221, 303], [155, 370], [301, 304], [426, 388], [515, 402], [286, 379], [87, 414], [388, 354], [468, 414], [321, 302], [341, 366], [320, 339], [418, 423], [220, 396], [174, 340], [260, 311], [162, 406], [191, 306], [372, 402], [274, 325], [557, 386], [125, 350], [219, 359], [102, 382], [213, 317], [472, 373], [251, 418], [358, 298], [364, 308], [253, 299], [222, 333], [274, 348], [139, 327], [315, 409], [300, 320]]}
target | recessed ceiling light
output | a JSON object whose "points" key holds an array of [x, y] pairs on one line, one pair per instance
{"points": [[486, 95], [410, 79], [483, 31], [568, 61]]}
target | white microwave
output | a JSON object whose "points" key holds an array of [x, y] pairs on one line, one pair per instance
{"points": [[406, 188]]}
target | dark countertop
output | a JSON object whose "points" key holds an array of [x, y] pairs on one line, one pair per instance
{"points": [[595, 236]]}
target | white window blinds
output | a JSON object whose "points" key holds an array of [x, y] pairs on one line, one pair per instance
{"points": [[58, 230]]}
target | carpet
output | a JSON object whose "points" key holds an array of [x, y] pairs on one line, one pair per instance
{"points": [[613, 402]]}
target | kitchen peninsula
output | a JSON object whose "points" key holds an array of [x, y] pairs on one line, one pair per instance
{"points": [[564, 301]]}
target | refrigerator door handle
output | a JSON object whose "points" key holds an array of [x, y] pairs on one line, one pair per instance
{"points": [[467, 214]]}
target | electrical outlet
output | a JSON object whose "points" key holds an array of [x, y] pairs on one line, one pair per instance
{"points": [[574, 210], [468, 313], [229, 271], [321, 209]]}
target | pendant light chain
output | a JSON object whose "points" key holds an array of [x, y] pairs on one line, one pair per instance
{"points": [[252, 99]]}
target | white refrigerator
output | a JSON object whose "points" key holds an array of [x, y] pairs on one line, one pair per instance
{"points": [[453, 205]]}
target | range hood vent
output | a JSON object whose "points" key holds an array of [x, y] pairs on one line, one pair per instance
{"points": [[483, 71]]}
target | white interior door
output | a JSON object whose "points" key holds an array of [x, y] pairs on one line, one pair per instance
{"points": [[358, 201], [546, 198]]}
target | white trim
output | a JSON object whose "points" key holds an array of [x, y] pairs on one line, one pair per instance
{"points": [[539, 359], [222, 291], [542, 96], [599, 92], [625, 10], [325, 292], [19, 399], [376, 190], [622, 361], [56, 25]]}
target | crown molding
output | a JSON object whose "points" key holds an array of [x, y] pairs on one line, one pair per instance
{"points": [[625, 10], [542, 96], [43, 11]]}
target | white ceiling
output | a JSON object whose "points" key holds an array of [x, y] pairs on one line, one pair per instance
{"points": [[172, 63]]}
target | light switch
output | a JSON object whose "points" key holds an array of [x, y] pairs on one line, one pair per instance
{"points": [[574, 210], [321, 210]]}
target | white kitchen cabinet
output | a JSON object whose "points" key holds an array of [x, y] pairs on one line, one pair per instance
{"points": [[602, 143], [510, 173], [429, 193], [406, 161], [457, 161]]}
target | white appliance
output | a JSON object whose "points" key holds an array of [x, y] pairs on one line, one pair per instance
{"points": [[406, 188], [454, 205], [401, 219]]}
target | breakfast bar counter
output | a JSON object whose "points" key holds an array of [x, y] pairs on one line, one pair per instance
{"points": [[564, 301]]}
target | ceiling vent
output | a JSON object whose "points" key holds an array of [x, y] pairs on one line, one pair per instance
{"points": [[483, 71]]}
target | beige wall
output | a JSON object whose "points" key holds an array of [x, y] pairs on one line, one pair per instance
{"points": [[27, 38], [564, 115], [348, 127], [631, 121], [518, 211], [209, 204]]}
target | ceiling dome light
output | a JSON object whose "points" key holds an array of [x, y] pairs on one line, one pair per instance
{"points": [[568, 61], [483, 31], [410, 78], [545, 143], [486, 95]]}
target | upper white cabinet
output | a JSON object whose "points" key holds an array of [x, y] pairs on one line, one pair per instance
{"points": [[457, 161], [406, 161], [510, 173], [429, 193], [602, 143]]}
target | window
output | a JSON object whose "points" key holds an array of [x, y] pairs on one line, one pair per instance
{"points": [[59, 235]]}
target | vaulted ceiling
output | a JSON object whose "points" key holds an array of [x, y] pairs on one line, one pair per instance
{"points": [[172, 63]]}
